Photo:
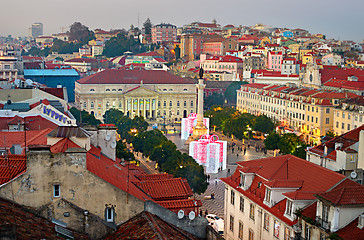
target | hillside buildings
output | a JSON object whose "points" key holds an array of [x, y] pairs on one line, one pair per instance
{"points": [[164, 33]]}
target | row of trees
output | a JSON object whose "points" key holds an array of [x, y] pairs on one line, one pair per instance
{"points": [[232, 122], [157, 147]]}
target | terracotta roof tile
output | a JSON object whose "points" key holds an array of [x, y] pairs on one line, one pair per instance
{"points": [[148, 226], [351, 231], [175, 188], [123, 76]]}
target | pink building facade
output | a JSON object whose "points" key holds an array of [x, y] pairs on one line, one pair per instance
{"points": [[275, 61], [164, 33]]}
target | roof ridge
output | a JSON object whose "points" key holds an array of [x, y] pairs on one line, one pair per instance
{"points": [[154, 225]]}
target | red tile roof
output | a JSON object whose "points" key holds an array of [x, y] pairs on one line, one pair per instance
{"points": [[113, 172], [27, 224], [351, 231], [180, 204], [11, 167], [166, 189], [80, 60], [33, 137], [347, 192], [148, 226], [314, 178], [152, 54], [153, 177], [122, 76], [63, 145]]}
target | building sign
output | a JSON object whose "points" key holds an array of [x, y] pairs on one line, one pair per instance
{"points": [[53, 114]]}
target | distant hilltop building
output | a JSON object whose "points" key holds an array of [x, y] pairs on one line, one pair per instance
{"points": [[36, 30]]}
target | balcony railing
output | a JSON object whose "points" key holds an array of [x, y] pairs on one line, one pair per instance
{"points": [[326, 225]]}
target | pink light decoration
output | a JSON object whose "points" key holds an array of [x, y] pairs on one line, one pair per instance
{"points": [[209, 152]]}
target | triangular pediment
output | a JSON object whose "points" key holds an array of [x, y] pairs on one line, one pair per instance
{"points": [[141, 92]]}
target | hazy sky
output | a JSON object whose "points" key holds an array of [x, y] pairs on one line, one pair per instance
{"points": [[334, 18]]}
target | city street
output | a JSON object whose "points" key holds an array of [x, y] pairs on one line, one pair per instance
{"points": [[216, 186]]}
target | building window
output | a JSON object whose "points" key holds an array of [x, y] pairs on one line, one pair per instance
{"points": [[289, 207], [327, 120], [56, 190], [325, 212], [242, 180], [159, 103], [177, 103], [92, 90], [92, 104], [337, 124], [342, 125], [266, 221], [268, 193], [287, 234], [241, 204], [84, 104], [251, 234], [349, 116], [348, 126], [240, 230], [232, 199], [276, 229], [231, 223], [316, 119], [307, 232], [170, 103], [109, 214], [165, 103], [252, 211], [343, 116], [191, 103], [107, 90], [185, 103]]}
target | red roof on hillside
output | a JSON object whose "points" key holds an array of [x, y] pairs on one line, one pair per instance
{"points": [[152, 54], [34, 137], [175, 188], [123, 76], [351, 231], [80, 60]]}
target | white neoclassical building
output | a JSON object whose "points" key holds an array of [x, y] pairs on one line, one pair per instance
{"points": [[147, 93]]}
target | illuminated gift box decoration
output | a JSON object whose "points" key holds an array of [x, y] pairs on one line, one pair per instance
{"points": [[188, 123], [210, 152]]}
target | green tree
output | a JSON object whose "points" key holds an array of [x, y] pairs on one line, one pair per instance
{"points": [[87, 119], [80, 33], [219, 115], [263, 124], [123, 152], [272, 141], [230, 92], [291, 144], [214, 99], [147, 26], [120, 44]]}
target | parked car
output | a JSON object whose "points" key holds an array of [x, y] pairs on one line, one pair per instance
{"points": [[216, 222]]}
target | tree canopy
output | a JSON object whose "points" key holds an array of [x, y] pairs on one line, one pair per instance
{"points": [[87, 119], [230, 92], [80, 33], [147, 26], [214, 99], [116, 46]]}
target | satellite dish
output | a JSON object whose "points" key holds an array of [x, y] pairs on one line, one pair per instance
{"points": [[113, 144], [29, 82], [181, 214], [192, 215], [353, 174], [107, 137]]}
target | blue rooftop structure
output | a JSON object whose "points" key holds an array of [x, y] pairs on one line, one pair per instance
{"points": [[54, 78]]}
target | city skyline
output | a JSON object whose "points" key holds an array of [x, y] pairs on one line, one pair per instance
{"points": [[331, 19]]}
